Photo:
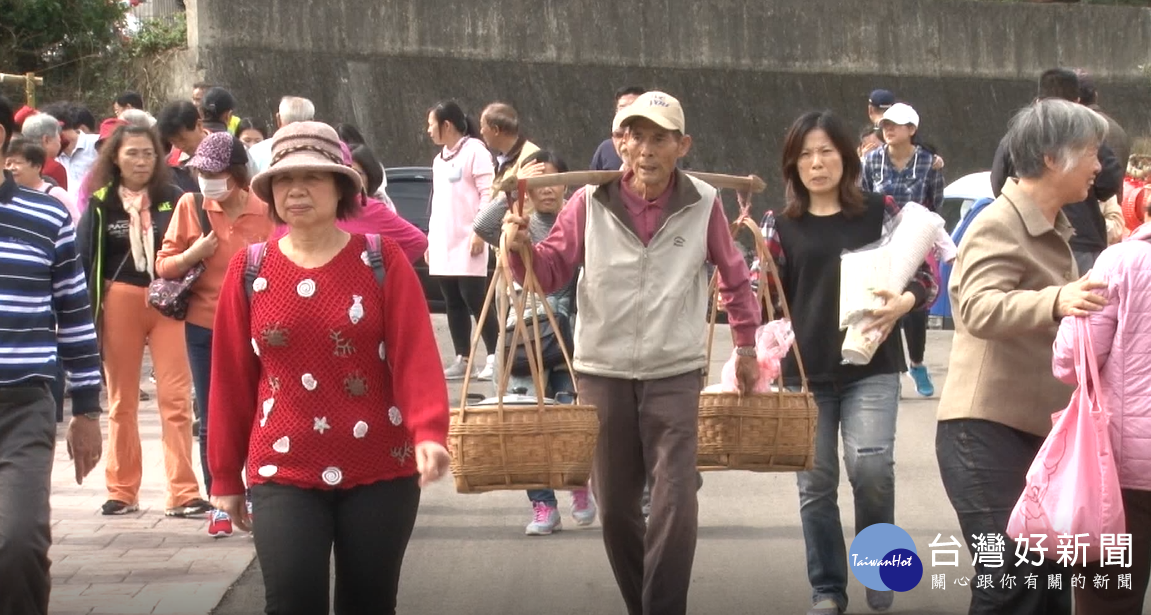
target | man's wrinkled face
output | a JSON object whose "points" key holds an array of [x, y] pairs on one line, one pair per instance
{"points": [[653, 150]]}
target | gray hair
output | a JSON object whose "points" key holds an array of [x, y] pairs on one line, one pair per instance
{"points": [[1056, 128], [295, 109], [138, 117], [38, 126]]}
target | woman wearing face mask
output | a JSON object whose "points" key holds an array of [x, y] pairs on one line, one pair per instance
{"points": [[237, 218], [545, 204]]}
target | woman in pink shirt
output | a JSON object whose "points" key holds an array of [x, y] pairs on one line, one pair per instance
{"points": [[462, 176]]}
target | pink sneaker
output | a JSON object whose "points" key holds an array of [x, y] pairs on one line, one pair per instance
{"points": [[545, 520], [583, 507], [220, 525]]}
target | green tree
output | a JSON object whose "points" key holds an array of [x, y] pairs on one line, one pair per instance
{"points": [[38, 34]]}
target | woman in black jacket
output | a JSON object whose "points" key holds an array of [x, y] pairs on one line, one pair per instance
{"points": [[119, 234]]}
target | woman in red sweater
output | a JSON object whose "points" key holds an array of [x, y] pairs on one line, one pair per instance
{"points": [[326, 389]]}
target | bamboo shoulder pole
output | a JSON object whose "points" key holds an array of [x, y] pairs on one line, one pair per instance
{"points": [[744, 183]]}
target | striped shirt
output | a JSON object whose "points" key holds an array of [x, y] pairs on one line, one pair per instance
{"points": [[44, 311]]}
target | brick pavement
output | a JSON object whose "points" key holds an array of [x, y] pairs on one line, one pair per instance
{"points": [[138, 563]]}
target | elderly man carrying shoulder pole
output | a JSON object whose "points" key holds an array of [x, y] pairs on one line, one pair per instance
{"points": [[644, 241]]}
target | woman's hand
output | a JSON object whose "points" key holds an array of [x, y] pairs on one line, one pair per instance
{"points": [[894, 308], [204, 247], [432, 461], [937, 163], [478, 245], [1076, 299], [237, 509], [534, 169]]}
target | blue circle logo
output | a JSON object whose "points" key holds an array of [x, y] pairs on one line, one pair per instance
{"points": [[883, 557]]}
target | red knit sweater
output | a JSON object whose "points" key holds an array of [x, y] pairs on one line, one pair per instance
{"points": [[326, 380]]}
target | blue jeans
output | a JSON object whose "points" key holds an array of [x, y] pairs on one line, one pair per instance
{"points": [[556, 380], [864, 411], [199, 343]]}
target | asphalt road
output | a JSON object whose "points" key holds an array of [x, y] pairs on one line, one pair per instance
{"points": [[469, 553]]}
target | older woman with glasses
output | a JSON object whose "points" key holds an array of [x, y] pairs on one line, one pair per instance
{"points": [[130, 207], [1014, 279]]}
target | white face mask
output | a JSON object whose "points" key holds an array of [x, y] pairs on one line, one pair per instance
{"points": [[215, 189]]}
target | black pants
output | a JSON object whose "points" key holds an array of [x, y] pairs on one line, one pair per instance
{"points": [[58, 390], [27, 447], [915, 331], [1112, 599], [984, 469], [296, 529], [463, 300]]}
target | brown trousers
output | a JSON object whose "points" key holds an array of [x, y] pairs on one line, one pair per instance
{"points": [[647, 428], [1112, 600]]}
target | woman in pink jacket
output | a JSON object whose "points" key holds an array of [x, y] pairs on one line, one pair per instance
{"points": [[1121, 336], [462, 175]]}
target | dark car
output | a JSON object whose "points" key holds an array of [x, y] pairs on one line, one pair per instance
{"points": [[410, 188]]}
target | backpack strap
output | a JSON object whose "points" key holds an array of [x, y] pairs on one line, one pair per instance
{"points": [[376, 257], [201, 213], [252, 263]]}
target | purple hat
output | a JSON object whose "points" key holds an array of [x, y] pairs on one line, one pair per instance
{"points": [[217, 152]]}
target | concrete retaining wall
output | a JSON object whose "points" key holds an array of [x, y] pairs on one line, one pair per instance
{"points": [[744, 70]]}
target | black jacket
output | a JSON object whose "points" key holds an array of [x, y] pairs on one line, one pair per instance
{"points": [[92, 227], [1085, 216]]}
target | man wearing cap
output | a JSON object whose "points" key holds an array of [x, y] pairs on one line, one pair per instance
{"points": [[877, 104], [644, 241], [107, 127], [904, 171]]}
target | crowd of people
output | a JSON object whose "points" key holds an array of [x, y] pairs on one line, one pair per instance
{"points": [[301, 352]]}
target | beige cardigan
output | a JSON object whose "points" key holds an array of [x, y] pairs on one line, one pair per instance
{"points": [[1011, 265]]}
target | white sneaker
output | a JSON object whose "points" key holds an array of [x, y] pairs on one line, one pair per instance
{"points": [[489, 370], [545, 520], [583, 507], [457, 369]]}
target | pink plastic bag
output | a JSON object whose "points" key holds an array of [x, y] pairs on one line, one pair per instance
{"points": [[772, 342], [1073, 484]]}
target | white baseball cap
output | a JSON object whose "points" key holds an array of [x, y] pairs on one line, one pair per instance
{"points": [[901, 114], [661, 108]]}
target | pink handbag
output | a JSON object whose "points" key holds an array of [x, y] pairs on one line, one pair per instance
{"points": [[1073, 484]]}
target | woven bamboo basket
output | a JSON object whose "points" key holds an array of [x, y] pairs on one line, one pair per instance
{"points": [[511, 447], [758, 432]]}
